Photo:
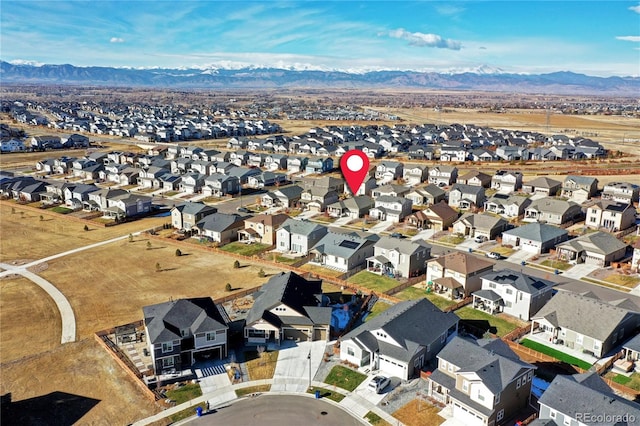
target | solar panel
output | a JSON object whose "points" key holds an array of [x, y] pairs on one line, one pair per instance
{"points": [[349, 244]]}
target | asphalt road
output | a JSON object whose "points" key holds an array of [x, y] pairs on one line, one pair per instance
{"points": [[278, 410]]}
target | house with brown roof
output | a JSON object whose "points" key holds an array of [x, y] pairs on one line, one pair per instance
{"points": [[262, 228], [438, 217], [457, 274], [475, 178]]}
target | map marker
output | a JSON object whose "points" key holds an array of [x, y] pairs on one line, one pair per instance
{"points": [[355, 166]]}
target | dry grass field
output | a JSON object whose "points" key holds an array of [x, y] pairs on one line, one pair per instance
{"points": [[28, 237]]}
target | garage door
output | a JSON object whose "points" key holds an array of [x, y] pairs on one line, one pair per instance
{"points": [[467, 417], [295, 334], [392, 368], [320, 334]]}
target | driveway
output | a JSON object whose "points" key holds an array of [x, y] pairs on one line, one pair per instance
{"points": [[519, 256], [214, 380], [423, 235], [580, 270], [292, 369], [381, 227]]}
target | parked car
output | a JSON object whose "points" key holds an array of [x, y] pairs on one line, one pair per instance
{"points": [[480, 239], [493, 255], [378, 383], [396, 235]]}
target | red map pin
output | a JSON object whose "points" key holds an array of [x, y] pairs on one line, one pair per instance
{"points": [[355, 166]]}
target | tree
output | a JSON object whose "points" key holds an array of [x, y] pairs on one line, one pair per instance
{"points": [[148, 245], [228, 287], [158, 268], [261, 350], [261, 273], [236, 264], [86, 227], [41, 218], [130, 238], [178, 252]]}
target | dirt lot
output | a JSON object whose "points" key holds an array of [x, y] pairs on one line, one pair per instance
{"points": [[78, 383], [28, 237]]}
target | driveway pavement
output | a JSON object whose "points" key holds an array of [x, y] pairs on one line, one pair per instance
{"points": [[580, 270], [380, 227], [425, 234], [519, 256], [292, 369]]}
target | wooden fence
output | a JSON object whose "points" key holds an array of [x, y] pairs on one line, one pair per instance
{"points": [[459, 305], [408, 283]]}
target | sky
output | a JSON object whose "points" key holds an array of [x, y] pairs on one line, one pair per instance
{"points": [[599, 38]]}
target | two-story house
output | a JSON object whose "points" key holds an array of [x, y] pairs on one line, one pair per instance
{"points": [[481, 382], [397, 257], [389, 170], [186, 215], [319, 165], [622, 192], [219, 185], [414, 174], [298, 236], [443, 175], [611, 216], [401, 340], [262, 228], [457, 274], [390, 208], [506, 181], [506, 205], [343, 252], [579, 188], [466, 196], [513, 293], [180, 332], [475, 178], [426, 196], [554, 211], [317, 199]]}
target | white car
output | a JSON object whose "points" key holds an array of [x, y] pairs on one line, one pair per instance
{"points": [[378, 383], [494, 255]]}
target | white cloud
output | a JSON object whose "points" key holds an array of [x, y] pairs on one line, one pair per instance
{"points": [[26, 62], [425, 40], [116, 40], [629, 38], [635, 9]]}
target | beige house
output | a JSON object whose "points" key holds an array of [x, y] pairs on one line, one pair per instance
{"points": [[610, 216], [457, 275], [438, 217], [262, 228]]}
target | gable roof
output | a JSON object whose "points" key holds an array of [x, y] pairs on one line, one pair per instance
{"points": [[273, 220], [165, 320], [190, 207], [596, 242], [482, 221], [300, 227], [463, 262], [537, 232], [523, 282], [343, 245], [403, 246], [219, 222], [544, 182]]}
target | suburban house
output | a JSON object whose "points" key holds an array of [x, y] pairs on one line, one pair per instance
{"points": [[426, 196], [553, 211], [506, 205], [220, 227], [443, 175], [542, 185], [401, 340], [127, 205], [621, 192], [389, 170], [344, 252], [438, 217], [391, 190], [475, 178], [298, 236], [75, 195], [536, 238], [597, 248], [219, 185], [513, 293], [466, 196], [481, 382], [631, 350], [266, 178], [457, 274], [579, 188], [317, 198], [584, 399], [354, 207], [262, 228], [287, 197], [561, 323], [186, 215], [480, 225], [415, 174], [287, 307], [506, 181], [11, 145], [610, 216], [180, 332], [397, 257], [389, 208], [319, 165]]}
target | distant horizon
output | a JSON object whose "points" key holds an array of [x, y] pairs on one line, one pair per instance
{"points": [[593, 38]]}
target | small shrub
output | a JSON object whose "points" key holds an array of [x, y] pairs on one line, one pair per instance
{"points": [[86, 227], [228, 287], [130, 238], [236, 264], [41, 218], [178, 252], [158, 268], [148, 245], [261, 273]]}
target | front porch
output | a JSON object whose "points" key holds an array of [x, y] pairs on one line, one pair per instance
{"points": [[381, 265]]}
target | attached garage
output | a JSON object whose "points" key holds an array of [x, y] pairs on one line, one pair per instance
{"points": [[393, 368], [301, 335], [319, 334], [468, 417]]}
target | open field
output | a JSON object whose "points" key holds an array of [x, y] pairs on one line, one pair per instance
{"points": [[109, 285], [29, 237], [94, 388], [26, 310], [418, 412]]}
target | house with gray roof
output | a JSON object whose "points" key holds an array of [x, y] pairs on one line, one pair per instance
{"points": [[397, 257], [287, 196], [180, 332], [426, 196], [343, 252], [631, 353], [542, 185], [219, 185], [220, 227], [506, 181], [186, 215], [389, 170], [475, 178], [596, 248], [561, 323], [553, 211], [579, 188], [584, 399], [480, 225], [482, 382], [507, 205], [512, 292], [354, 207], [622, 192], [390, 208], [299, 236], [536, 237], [401, 340], [287, 307], [440, 175], [466, 196], [610, 216], [391, 190]]}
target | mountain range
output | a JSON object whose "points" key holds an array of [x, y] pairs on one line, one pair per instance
{"points": [[482, 79]]}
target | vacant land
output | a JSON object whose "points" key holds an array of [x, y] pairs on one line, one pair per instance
{"points": [[419, 412], [24, 236], [95, 389]]}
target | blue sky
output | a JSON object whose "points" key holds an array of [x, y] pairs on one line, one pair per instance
{"points": [[591, 37]]}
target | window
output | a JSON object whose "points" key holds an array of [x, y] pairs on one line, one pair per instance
{"points": [[184, 332], [509, 291], [480, 396], [465, 385], [497, 399], [508, 304], [500, 415], [530, 375], [492, 285], [167, 347], [518, 383], [579, 339], [211, 336], [167, 362], [552, 414], [350, 351]]}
